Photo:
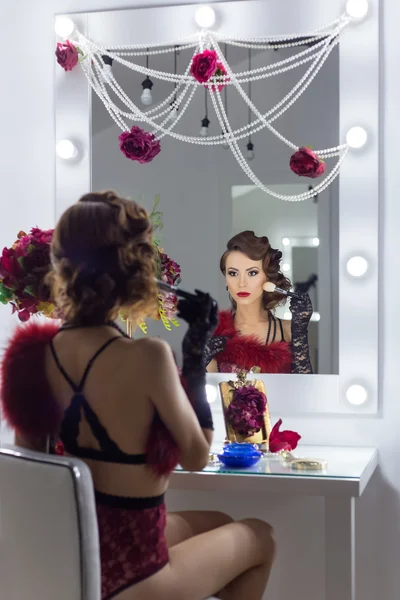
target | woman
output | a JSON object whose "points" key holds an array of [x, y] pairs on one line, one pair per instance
{"points": [[119, 405], [250, 335]]}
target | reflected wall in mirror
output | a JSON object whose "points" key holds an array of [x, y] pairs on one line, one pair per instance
{"points": [[205, 197]]}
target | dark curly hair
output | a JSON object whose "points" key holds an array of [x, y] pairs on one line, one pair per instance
{"points": [[259, 248], [103, 261]]}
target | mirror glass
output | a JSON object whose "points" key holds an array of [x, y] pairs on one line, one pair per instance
{"points": [[205, 197]]}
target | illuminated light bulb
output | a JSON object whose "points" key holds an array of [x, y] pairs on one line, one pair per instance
{"points": [[357, 266], [205, 17], [356, 395], [356, 137], [286, 241], [146, 98], [315, 241], [357, 9], [211, 393], [204, 127], [250, 151], [64, 26], [315, 317], [66, 150], [285, 267]]}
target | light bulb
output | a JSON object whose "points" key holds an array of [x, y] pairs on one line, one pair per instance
{"points": [[173, 115], [64, 26], [285, 267], [357, 266], [146, 98], [357, 9], [65, 149], [250, 151], [286, 241], [356, 394], [315, 241], [205, 16], [315, 317], [107, 68], [356, 137], [204, 127], [211, 393]]}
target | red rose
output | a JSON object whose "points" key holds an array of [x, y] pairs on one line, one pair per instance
{"points": [[67, 55], [282, 440], [306, 163], [139, 145], [9, 265], [220, 71], [246, 411], [203, 65]]}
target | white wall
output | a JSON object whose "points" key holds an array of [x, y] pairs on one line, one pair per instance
{"points": [[27, 169]]}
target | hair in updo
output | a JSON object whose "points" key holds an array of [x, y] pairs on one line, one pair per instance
{"points": [[103, 260], [259, 248]]}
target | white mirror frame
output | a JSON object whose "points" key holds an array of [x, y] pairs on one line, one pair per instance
{"points": [[359, 175]]}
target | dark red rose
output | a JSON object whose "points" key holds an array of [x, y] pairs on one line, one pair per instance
{"points": [[306, 163], [246, 411], [203, 65], [282, 440], [139, 145], [67, 55], [9, 265], [220, 71]]}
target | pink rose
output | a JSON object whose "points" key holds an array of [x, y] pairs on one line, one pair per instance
{"points": [[203, 65], [220, 71], [139, 145], [306, 163], [67, 55], [282, 440]]}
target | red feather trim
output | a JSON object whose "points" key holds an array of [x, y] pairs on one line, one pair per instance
{"points": [[246, 351], [27, 402]]}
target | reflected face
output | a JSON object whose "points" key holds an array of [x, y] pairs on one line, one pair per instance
{"points": [[244, 278]]}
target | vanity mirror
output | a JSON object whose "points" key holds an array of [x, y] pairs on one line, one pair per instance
{"points": [[209, 192]]}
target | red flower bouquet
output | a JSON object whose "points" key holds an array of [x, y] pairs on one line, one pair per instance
{"points": [[23, 268]]}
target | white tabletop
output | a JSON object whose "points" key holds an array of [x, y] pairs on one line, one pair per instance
{"points": [[348, 471]]}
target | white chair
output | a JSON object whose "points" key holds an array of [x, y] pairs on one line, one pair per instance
{"points": [[49, 547]]}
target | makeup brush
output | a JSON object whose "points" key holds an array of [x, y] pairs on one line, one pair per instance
{"points": [[171, 289], [271, 287]]}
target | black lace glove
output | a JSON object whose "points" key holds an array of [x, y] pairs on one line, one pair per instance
{"points": [[201, 314], [301, 309], [216, 345]]}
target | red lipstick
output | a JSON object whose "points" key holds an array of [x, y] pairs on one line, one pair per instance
{"points": [[243, 294]]}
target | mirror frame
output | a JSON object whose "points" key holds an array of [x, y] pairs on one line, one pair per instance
{"points": [[358, 181]]}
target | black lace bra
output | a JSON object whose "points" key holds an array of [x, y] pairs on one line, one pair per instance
{"points": [[109, 451]]}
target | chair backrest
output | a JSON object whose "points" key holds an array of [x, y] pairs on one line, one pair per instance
{"points": [[49, 547]]}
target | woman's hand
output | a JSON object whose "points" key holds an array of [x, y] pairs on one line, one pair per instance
{"points": [[201, 314]]}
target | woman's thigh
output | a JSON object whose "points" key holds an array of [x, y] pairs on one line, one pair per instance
{"points": [[204, 564], [183, 525]]}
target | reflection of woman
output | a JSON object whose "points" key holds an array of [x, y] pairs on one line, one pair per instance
{"points": [[119, 405], [250, 335]]}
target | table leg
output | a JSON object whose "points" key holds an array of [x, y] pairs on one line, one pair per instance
{"points": [[340, 548]]}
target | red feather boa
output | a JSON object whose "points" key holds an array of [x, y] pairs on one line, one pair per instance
{"points": [[30, 408], [246, 351]]}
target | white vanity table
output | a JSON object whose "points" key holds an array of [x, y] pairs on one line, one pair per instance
{"points": [[343, 481]]}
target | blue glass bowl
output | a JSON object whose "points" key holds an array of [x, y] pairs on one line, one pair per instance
{"points": [[240, 455]]}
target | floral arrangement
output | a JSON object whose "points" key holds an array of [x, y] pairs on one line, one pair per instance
{"points": [[282, 440], [246, 411], [22, 271], [166, 270], [139, 145], [306, 163], [68, 55], [205, 67]]}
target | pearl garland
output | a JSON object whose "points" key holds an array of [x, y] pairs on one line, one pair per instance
{"points": [[324, 40]]}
